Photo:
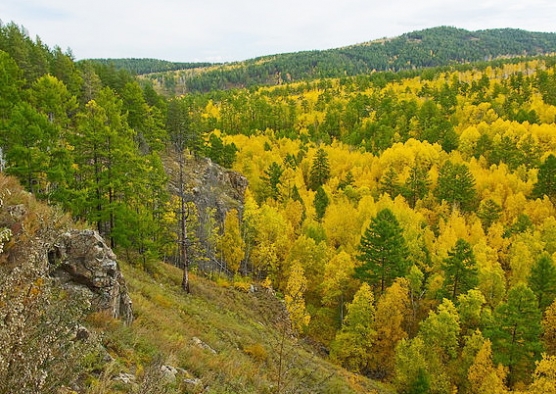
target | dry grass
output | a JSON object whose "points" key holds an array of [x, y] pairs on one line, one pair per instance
{"points": [[222, 334]]}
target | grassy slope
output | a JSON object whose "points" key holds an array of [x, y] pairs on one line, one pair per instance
{"points": [[245, 329]]}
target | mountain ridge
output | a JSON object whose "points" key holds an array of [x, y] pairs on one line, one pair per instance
{"points": [[433, 47]]}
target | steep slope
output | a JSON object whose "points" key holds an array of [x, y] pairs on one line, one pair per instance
{"points": [[51, 276], [65, 321], [222, 338]]}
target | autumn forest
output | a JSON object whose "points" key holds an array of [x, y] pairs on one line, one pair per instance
{"points": [[407, 219]]}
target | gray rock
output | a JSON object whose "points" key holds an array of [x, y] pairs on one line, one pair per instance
{"points": [[200, 344], [125, 378], [214, 191], [169, 372], [81, 258]]}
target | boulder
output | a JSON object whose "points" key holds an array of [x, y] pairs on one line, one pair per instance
{"points": [[82, 261]]}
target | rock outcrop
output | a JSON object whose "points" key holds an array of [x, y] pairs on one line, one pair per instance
{"points": [[209, 185], [83, 262], [214, 191]]}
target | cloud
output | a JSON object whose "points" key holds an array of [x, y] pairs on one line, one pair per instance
{"points": [[201, 30]]}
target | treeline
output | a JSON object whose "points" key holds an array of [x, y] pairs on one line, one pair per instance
{"points": [[427, 48], [148, 66]]}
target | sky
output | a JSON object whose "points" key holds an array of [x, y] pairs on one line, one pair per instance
{"points": [[231, 30]]}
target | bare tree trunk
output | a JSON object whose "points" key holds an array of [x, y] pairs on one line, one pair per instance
{"points": [[183, 229]]}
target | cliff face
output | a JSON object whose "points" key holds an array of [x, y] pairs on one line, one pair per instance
{"points": [[212, 191]]}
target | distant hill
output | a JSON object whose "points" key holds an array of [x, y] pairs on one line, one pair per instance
{"points": [[433, 47], [147, 66]]}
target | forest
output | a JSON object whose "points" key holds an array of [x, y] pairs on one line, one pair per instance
{"points": [[435, 47], [407, 219]]}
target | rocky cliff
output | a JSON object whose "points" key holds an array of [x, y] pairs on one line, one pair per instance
{"points": [[82, 262], [212, 191], [51, 278]]}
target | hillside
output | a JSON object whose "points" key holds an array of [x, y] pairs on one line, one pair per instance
{"points": [[224, 338], [404, 220], [441, 46]]}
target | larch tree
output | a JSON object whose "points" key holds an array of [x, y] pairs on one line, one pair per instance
{"points": [[230, 244], [338, 283], [382, 251], [471, 310], [483, 375], [441, 329], [391, 309], [544, 377], [549, 329], [294, 297], [413, 371]]}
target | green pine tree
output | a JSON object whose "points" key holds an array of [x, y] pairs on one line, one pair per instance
{"points": [[515, 333], [546, 180], [321, 203], [382, 251], [456, 186], [460, 270], [542, 280], [320, 170]]}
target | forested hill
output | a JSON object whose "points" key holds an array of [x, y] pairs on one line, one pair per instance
{"points": [[426, 48], [147, 66]]}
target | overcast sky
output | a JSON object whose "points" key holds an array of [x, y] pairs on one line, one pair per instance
{"points": [[229, 30]]}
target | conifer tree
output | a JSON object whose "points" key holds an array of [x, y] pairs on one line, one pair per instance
{"points": [[542, 280], [515, 333], [546, 180], [489, 212], [271, 181], [382, 251], [320, 170], [389, 183], [416, 185], [456, 186], [321, 203], [460, 270]]}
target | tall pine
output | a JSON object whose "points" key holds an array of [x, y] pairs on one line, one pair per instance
{"points": [[382, 251]]}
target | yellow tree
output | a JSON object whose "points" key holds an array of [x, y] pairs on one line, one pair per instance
{"points": [[544, 378], [231, 245], [549, 329], [294, 297], [353, 344], [483, 376], [391, 309], [338, 282]]}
